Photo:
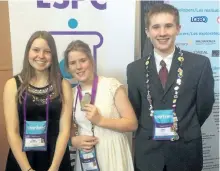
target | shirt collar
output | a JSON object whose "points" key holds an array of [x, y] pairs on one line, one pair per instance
{"points": [[167, 59]]}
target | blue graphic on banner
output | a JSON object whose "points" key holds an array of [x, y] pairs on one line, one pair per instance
{"points": [[73, 23], [64, 72]]}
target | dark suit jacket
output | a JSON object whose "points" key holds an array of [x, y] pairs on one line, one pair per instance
{"points": [[194, 105]]}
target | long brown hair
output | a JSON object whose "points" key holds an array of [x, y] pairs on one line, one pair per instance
{"points": [[28, 72]]}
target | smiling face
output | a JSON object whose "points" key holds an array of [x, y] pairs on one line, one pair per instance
{"points": [[80, 66], [39, 55], [162, 31]]}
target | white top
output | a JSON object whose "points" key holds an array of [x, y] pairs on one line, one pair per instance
{"points": [[113, 150], [168, 60]]}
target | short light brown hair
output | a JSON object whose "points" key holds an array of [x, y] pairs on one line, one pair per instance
{"points": [[80, 46], [161, 8]]}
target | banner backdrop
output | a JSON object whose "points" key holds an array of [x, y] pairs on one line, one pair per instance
{"points": [[200, 34], [97, 22]]}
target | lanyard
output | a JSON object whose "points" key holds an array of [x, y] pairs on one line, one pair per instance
{"points": [[25, 110], [94, 90], [93, 95], [176, 88]]}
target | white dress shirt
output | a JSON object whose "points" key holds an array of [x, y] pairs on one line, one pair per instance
{"points": [[168, 60]]}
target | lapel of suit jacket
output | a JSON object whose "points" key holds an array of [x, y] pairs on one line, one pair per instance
{"points": [[172, 76]]}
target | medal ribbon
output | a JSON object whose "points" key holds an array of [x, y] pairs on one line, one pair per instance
{"points": [[93, 95]]}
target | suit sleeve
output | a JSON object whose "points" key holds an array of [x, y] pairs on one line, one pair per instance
{"points": [[205, 93], [133, 92]]}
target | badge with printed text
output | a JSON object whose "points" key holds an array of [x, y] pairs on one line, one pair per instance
{"points": [[35, 136], [88, 160], [163, 124]]}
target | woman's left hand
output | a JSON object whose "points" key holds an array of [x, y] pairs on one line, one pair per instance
{"points": [[92, 114]]}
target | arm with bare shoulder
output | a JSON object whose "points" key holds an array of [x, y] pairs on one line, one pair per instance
{"points": [[64, 128], [128, 121], [12, 123]]}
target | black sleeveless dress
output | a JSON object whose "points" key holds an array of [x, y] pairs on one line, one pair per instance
{"points": [[36, 111]]}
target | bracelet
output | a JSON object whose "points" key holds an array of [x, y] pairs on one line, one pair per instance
{"points": [[29, 169]]}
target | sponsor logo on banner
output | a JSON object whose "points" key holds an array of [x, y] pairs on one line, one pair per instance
{"points": [[199, 19], [205, 42], [186, 43], [215, 53], [218, 19], [200, 52], [66, 4]]}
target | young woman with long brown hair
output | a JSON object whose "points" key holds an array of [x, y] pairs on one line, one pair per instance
{"points": [[37, 109]]}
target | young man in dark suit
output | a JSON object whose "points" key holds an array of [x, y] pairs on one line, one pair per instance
{"points": [[172, 93]]}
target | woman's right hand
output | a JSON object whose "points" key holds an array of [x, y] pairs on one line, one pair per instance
{"points": [[84, 142]]}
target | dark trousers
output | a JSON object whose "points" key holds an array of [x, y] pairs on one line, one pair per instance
{"points": [[173, 156], [164, 169]]}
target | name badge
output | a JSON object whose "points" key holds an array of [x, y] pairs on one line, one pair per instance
{"points": [[35, 136], [88, 160], [163, 124]]}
